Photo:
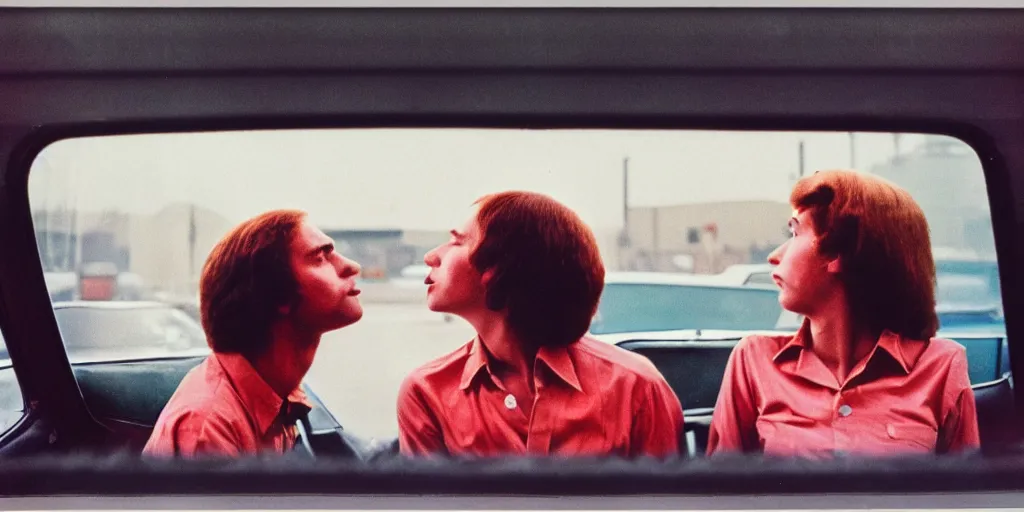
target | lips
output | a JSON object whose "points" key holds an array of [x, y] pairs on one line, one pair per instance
{"points": [[428, 281], [777, 279], [353, 292]]}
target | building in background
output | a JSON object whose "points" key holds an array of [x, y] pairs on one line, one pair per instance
{"points": [[947, 180], [703, 237]]}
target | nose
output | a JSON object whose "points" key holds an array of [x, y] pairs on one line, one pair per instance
{"points": [[432, 258], [348, 268], [776, 256]]}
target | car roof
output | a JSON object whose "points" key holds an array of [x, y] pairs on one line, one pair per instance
{"points": [[673, 278], [683, 335], [742, 271], [110, 304]]}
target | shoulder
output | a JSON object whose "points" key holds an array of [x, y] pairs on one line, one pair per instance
{"points": [[204, 397], [763, 344], [941, 354], [444, 370], [591, 351], [945, 349], [191, 423]]}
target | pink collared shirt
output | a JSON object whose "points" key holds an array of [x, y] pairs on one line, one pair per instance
{"points": [[907, 396], [591, 399], [223, 407]]}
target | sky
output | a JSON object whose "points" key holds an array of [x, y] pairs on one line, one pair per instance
{"points": [[427, 178]]}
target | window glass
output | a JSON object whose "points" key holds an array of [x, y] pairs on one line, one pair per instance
{"points": [[685, 221]]}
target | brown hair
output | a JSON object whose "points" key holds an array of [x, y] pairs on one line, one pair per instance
{"points": [[880, 235], [246, 278], [547, 270]]}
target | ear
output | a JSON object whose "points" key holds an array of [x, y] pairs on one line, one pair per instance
{"points": [[487, 277], [834, 266], [493, 301]]}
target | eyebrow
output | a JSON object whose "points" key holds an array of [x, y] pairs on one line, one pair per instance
{"points": [[325, 248], [457, 234]]}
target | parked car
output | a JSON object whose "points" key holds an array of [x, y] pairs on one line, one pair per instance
{"points": [[653, 301], [110, 330]]}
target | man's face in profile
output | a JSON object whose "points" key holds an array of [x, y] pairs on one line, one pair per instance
{"points": [[454, 285], [328, 295]]}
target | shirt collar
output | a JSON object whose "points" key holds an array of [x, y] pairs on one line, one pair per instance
{"points": [[477, 359], [904, 351], [557, 359], [795, 344], [262, 402]]}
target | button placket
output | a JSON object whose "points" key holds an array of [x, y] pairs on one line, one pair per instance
{"points": [[841, 410], [539, 437]]}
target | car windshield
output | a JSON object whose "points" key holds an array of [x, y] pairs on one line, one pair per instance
{"points": [[664, 307]]}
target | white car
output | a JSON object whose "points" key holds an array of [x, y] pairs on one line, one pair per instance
{"points": [[654, 305]]}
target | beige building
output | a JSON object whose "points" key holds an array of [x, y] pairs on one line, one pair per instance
{"points": [[162, 252], [706, 236], [158, 248]]}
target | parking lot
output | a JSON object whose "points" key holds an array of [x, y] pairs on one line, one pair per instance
{"points": [[358, 369]]}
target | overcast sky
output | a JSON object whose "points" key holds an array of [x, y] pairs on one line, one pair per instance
{"points": [[426, 178]]}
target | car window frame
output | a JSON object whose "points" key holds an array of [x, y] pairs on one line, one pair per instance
{"points": [[579, 73]]}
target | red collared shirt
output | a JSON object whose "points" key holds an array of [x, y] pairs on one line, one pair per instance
{"points": [[591, 399], [223, 407], [907, 396]]}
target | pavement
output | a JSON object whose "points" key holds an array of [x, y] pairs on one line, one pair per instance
{"points": [[358, 369]]}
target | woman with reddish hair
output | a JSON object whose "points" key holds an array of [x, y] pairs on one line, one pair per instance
{"points": [[864, 374]]}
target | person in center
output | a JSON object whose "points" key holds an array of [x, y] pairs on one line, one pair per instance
{"points": [[865, 374], [526, 273]]}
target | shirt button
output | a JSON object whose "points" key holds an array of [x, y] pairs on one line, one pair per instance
{"points": [[510, 402], [845, 410]]}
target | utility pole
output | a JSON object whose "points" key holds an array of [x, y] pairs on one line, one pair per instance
{"points": [[624, 234], [801, 169], [192, 242], [853, 152], [625, 193]]}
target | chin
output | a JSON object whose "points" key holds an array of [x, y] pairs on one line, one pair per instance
{"points": [[436, 307], [350, 316], [791, 305]]}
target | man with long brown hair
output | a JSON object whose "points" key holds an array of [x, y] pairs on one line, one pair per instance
{"points": [[526, 273], [268, 291]]}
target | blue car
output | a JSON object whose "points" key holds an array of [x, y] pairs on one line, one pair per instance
{"points": [[726, 306]]}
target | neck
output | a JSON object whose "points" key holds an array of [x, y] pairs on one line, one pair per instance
{"points": [[288, 358], [503, 345], [837, 338]]}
